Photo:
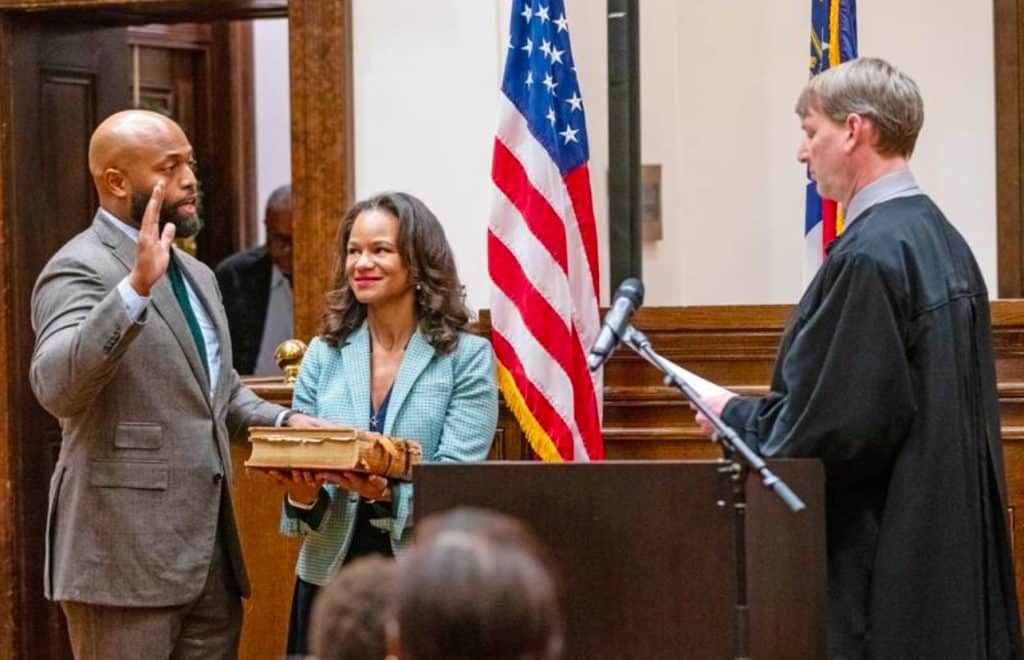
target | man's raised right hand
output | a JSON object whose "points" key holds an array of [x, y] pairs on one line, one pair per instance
{"points": [[153, 251]]}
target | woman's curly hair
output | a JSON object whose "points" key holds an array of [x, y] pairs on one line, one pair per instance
{"points": [[441, 310]]}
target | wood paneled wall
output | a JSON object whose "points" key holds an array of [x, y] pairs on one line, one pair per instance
{"points": [[643, 419], [320, 44], [320, 38], [735, 346], [1009, 84]]}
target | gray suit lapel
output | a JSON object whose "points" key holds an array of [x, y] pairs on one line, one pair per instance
{"points": [[162, 297], [210, 301], [418, 355], [355, 355], [166, 305], [116, 240]]}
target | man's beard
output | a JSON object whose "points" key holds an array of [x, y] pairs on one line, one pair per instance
{"points": [[185, 226]]}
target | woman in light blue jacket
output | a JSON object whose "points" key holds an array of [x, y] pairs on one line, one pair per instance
{"points": [[392, 356]]}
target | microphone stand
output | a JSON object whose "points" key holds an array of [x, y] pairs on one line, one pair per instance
{"points": [[730, 441], [739, 459]]}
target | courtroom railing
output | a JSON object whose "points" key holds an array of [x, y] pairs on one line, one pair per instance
{"points": [[735, 346]]}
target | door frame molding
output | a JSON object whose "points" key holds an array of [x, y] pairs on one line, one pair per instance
{"points": [[320, 54], [10, 463], [1009, 82]]}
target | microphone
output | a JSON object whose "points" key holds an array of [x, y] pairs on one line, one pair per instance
{"points": [[628, 298]]}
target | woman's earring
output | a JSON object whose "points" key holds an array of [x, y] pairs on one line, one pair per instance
{"points": [[419, 287]]}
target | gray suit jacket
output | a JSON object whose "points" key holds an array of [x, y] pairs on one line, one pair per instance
{"points": [[144, 462]]}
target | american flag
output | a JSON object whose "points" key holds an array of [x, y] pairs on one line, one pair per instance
{"points": [[542, 242]]}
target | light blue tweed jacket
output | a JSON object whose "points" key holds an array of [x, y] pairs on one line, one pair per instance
{"points": [[449, 403]]}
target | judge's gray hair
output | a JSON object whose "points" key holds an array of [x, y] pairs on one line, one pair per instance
{"points": [[874, 89]]}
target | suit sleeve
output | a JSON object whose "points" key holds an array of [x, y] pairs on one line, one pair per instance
{"points": [[469, 423], [843, 391], [82, 332], [245, 409]]}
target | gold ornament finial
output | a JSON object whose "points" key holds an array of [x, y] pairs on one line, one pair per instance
{"points": [[288, 356]]}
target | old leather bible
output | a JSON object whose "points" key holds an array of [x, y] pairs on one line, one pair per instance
{"points": [[334, 448]]}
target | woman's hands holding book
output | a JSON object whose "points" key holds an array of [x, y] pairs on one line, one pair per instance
{"points": [[302, 486], [373, 487]]}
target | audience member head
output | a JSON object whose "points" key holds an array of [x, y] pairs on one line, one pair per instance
{"points": [[350, 613], [491, 526], [861, 120], [476, 586], [129, 153], [393, 251], [277, 219]]}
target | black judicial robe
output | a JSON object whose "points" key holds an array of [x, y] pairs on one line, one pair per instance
{"points": [[886, 373]]}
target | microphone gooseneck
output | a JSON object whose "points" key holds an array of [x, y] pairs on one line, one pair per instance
{"points": [[628, 298]]}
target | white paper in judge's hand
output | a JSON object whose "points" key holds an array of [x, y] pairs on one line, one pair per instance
{"points": [[705, 388]]}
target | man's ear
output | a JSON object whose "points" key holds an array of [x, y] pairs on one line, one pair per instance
{"points": [[116, 183], [858, 131]]}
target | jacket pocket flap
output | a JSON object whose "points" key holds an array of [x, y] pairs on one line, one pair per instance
{"points": [[134, 435], [128, 474]]}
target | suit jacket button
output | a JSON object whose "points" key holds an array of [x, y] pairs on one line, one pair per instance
{"points": [[217, 477]]}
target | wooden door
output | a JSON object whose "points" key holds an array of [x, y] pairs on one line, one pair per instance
{"points": [[64, 79], [200, 75], [321, 111]]}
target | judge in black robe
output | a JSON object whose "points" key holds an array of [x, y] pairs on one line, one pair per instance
{"points": [[886, 374]]}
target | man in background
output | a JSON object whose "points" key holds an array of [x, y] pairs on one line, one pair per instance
{"points": [[257, 290], [886, 374]]}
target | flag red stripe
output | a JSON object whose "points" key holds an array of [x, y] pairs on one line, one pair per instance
{"points": [[578, 184], [510, 177], [543, 321], [587, 418], [550, 330], [545, 415], [828, 224]]}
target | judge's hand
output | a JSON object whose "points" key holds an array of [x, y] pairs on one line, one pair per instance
{"points": [[153, 251], [303, 421], [303, 486], [370, 486], [717, 405]]}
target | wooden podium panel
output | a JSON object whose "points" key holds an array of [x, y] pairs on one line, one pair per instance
{"points": [[648, 552], [269, 556]]}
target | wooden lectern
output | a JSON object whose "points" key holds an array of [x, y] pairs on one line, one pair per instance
{"points": [[664, 559]]}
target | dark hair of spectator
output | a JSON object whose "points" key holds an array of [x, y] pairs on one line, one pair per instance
{"points": [[440, 299], [463, 596], [350, 613], [491, 526], [281, 198]]}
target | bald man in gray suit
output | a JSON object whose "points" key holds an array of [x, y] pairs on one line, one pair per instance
{"points": [[133, 356]]}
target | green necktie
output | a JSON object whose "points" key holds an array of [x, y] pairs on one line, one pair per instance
{"points": [[181, 293]]}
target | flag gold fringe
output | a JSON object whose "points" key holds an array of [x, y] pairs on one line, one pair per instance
{"points": [[835, 48], [535, 434]]}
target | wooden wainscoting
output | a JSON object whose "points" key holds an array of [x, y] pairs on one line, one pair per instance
{"points": [[269, 556], [735, 346], [643, 419]]}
